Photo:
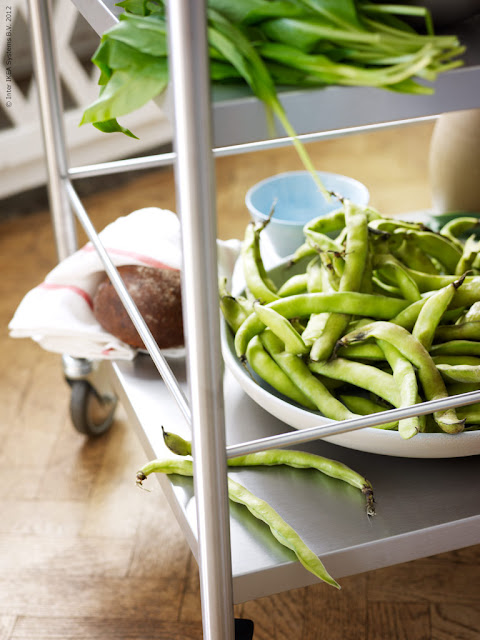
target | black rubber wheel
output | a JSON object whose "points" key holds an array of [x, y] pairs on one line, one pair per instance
{"points": [[91, 413], [243, 629]]}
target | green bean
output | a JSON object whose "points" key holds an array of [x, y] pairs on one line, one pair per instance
{"points": [[299, 325], [342, 236], [432, 312], [455, 388], [464, 331], [295, 284], [473, 314], [302, 377], [404, 376], [456, 347], [385, 289], [407, 317], [287, 457], [329, 283], [282, 328], [361, 375], [429, 282], [315, 275], [315, 326], [320, 238], [330, 223], [390, 225], [413, 350], [282, 531], [256, 279], [356, 248], [304, 460], [260, 509], [413, 257], [457, 227], [317, 233], [391, 266], [235, 310], [327, 247], [453, 315], [263, 364], [439, 247], [324, 344], [176, 443], [366, 285], [460, 372], [456, 360], [469, 292], [331, 384], [372, 214], [426, 240], [365, 406], [470, 413], [365, 351], [232, 312], [330, 277], [468, 257], [303, 305], [168, 466], [355, 258], [356, 323], [305, 250]]}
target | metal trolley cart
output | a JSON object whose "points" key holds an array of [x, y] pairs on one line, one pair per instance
{"points": [[235, 562]]}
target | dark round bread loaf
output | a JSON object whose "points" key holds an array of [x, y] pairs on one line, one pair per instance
{"points": [[157, 294]]}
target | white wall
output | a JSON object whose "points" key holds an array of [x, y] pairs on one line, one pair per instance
{"points": [[21, 147]]}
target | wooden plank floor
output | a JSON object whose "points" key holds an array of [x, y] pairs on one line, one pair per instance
{"points": [[84, 554]]}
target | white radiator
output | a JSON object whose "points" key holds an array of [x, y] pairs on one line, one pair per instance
{"points": [[21, 147]]}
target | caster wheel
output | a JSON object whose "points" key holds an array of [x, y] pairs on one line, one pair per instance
{"points": [[243, 629], [91, 413]]}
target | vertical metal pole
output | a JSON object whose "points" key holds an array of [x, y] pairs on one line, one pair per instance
{"points": [[196, 204], [50, 102]]}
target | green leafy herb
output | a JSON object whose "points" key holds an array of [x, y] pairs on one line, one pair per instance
{"points": [[269, 43]]}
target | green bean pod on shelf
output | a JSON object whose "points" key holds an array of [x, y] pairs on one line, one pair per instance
{"points": [[181, 464]]}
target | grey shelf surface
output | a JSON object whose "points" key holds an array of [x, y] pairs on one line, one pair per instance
{"points": [[239, 118], [424, 506]]}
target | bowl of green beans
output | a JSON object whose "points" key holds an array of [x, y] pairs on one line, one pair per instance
{"points": [[369, 313], [289, 200]]}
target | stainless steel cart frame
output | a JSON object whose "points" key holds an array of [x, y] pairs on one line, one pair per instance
{"points": [[201, 403]]}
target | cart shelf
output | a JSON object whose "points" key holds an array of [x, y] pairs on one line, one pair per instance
{"points": [[239, 117], [423, 506]]}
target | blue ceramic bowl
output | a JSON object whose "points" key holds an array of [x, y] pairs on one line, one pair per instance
{"points": [[298, 200]]}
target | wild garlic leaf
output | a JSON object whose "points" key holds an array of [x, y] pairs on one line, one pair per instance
{"points": [[125, 92], [112, 126]]}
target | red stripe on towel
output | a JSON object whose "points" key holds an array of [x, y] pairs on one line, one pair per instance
{"points": [[83, 294], [148, 260]]}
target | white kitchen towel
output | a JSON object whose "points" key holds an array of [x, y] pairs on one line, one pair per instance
{"points": [[58, 313]]}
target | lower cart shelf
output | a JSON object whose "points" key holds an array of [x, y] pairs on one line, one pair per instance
{"points": [[424, 506]]}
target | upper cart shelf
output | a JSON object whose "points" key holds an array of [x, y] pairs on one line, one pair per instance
{"points": [[239, 117]]}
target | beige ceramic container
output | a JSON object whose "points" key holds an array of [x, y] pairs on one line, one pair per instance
{"points": [[455, 162]]}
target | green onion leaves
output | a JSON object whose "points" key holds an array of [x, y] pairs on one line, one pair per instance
{"points": [[272, 43]]}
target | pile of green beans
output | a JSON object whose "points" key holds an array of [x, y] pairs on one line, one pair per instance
{"points": [[258, 507], [370, 313]]}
